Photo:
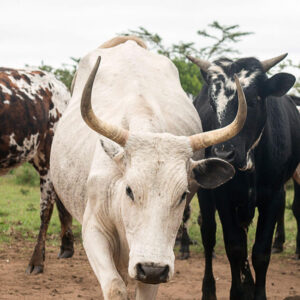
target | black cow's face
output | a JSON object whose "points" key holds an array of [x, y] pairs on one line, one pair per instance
{"points": [[224, 101]]}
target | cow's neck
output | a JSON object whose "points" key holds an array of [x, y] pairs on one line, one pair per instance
{"points": [[145, 124]]}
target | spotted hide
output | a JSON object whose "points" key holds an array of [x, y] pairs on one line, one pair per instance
{"points": [[31, 103]]}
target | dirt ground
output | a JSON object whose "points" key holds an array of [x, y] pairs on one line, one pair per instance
{"points": [[73, 278]]}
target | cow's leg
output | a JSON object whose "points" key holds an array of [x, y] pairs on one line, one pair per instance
{"points": [[146, 291], [67, 238], [208, 232], [269, 208], [36, 264], [235, 239], [280, 231], [100, 254], [296, 212], [185, 239]]}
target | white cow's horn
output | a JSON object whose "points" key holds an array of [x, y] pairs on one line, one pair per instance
{"points": [[209, 138], [270, 63], [118, 135], [201, 63]]}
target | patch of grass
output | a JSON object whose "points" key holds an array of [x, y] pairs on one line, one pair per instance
{"points": [[20, 215], [26, 175], [290, 227], [20, 211]]}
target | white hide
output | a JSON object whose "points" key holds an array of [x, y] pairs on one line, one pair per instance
{"points": [[140, 91]]}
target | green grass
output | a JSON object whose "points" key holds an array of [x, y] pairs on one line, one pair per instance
{"points": [[20, 209], [20, 214], [290, 227]]}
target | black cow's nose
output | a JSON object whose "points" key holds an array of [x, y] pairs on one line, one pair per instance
{"points": [[152, 274], [225, 154]]}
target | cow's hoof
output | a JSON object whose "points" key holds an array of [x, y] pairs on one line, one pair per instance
{"points": [[277, 249], [193, 242], [297, 256], [184, 255], [209, 288], [65, 253], [209, 297], [34, 270]]}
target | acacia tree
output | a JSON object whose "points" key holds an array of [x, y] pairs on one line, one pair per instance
{"points": [[223, 37]]}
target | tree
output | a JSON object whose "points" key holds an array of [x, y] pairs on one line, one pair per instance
{"points": [[225, 36], [222, 36], [190, 77], [65, 73]]}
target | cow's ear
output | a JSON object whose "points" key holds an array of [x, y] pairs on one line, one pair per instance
{"points": [[114, 151], [279, 84], [212, 172]]}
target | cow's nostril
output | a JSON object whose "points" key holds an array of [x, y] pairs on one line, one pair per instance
{"points": [[140, 271], [164, 274], [230, 155], [224, 154]]}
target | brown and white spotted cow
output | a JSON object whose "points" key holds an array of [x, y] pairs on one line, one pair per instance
{"points": [[31, 103]]}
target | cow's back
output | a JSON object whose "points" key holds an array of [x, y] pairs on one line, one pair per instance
{"points": [[278, 152], [31, 102]]}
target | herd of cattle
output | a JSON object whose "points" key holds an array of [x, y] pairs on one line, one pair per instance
{"points": [[128, 167]]}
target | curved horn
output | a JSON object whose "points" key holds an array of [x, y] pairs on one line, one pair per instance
{"points": [[209, 138], [118, 135], [270, 63], [202, 64]]}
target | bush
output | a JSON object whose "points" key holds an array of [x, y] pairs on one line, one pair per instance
{"points": [[27, 175]]}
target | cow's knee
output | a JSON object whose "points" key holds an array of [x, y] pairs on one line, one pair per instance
{"points": [[116, 290], [236, 251], [185, 244]]}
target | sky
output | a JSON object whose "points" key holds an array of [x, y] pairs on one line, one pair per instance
{"points": [[52, 31]]}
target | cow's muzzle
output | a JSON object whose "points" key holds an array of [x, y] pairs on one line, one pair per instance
{"points": [[152, 274], [226, 152]]}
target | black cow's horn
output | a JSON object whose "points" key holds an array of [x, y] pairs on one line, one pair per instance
{"points": [[270, 63], [118, 135], [209, 138], [201, 63]]}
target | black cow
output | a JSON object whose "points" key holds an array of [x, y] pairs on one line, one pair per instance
{"points": [[280, 232], [265, 154]]}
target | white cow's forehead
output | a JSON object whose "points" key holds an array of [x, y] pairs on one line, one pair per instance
{"points": [[223, 87]]}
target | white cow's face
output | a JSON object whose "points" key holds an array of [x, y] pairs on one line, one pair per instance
{"points": [[156, 184], [156, 171]]}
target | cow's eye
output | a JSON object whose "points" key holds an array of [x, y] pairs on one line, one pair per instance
{"points": [[183, 197], [129, 193]]}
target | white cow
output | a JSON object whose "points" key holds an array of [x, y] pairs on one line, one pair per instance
{"points": [[127, 180]]}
